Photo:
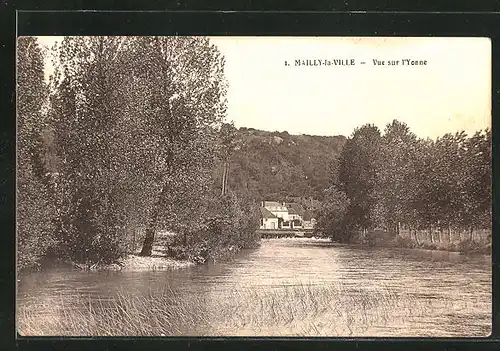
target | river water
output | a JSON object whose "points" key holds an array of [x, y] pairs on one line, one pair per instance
{"points": [[286, 287]]}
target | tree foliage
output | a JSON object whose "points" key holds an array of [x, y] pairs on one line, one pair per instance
{"points": [[359, 176], [85, 108], [331, 215], [130, 138], [35, 210], [396, 180]]}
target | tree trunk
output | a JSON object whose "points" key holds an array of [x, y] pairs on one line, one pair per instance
{"points": [[133, 239], [226, 187], [147, 246], [225, 174], [223, 190]]}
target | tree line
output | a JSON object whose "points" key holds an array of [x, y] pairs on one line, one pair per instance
{"points": [[128, 132], [395, 180]]}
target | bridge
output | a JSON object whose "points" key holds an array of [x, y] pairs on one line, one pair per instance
{"points": [[285, 233]]}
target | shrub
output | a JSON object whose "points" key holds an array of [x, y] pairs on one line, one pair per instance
{"points": [[404, 242], [230, 224], [331, 221], [35, 224]]}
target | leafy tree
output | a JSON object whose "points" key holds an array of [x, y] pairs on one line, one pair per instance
{"points": [[358, 174], [397, 152], [35, 211], [331, 217], [133, 137], [477, 180], [398, 179], [183, 79], [449, 170], [86, 112]]}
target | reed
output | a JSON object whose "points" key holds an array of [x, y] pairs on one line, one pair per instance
{"points": [[297, 310]]}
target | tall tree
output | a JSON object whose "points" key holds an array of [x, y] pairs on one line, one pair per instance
{"points": [[86, 101], [35, 211], [331, 216], [477, 180], [183, 77], [396, 158], [358, 174]]}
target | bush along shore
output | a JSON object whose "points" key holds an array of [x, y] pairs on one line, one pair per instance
{"points": [[167, 254], [217, 239], [426, 240], [476, 242]]}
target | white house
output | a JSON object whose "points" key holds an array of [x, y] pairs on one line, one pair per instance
{"points": [[267, 219], [295, 213], [278, 209], [289, 215]]}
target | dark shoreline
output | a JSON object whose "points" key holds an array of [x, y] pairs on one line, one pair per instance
{"points": [[463, 247]]}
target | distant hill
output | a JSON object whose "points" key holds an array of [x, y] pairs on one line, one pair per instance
{"points": [[279, 166]]}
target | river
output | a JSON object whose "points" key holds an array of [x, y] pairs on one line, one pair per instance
{"points": [[286, 287]]}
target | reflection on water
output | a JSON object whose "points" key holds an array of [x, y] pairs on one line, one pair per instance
{"points": [[261, 292]]}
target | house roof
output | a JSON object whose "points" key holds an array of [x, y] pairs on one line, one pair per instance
{"points": [[272, 204], [308, 215], [295, 208], [265, 213]]}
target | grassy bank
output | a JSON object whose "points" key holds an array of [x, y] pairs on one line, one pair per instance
{"points": [[160, 259], [299, 310], [422, 241], [464, 246], [167, 254]]}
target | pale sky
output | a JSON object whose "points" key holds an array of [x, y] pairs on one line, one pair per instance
{"points": [[451, 93]]}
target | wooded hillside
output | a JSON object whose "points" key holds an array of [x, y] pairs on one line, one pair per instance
{"points": [[279, 166]]}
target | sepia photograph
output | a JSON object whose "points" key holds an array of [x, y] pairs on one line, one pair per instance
{"points": [[253, 186]]}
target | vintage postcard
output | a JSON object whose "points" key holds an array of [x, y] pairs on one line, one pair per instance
{"points": [[254, 186]]}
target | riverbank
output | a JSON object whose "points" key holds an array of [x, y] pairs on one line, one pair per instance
{"points": [[130, 262], [392, 240], [165, 255], [464, 246], [285, 233], [138, 263], [133, 262]]}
